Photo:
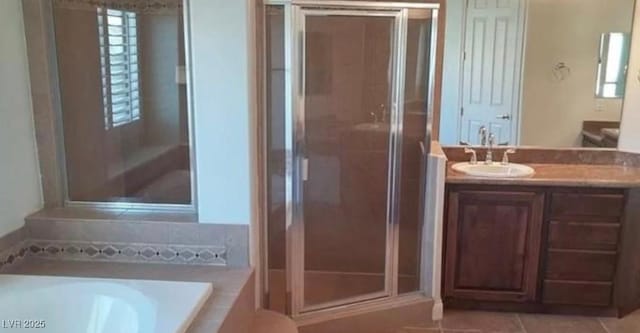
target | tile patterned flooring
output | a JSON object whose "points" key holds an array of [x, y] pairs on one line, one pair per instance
{"points": [[456, 321]]}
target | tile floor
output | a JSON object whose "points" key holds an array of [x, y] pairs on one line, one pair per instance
{"points": [[490, 322]]}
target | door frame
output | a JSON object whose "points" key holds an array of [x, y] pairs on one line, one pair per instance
{"points": [[295, 48], [518, 89]]}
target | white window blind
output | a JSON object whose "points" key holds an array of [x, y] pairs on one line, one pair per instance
{"points": [[119, 66]]}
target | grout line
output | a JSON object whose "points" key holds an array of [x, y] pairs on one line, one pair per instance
{"points": [[524, 330], [603, 325], [454, 330]]}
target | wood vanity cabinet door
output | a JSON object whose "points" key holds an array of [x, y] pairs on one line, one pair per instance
{"points": [[493, 245]]}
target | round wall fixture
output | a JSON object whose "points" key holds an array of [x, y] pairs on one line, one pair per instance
{"points": [[562, 72]]}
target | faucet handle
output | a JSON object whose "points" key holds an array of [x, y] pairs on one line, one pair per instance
{"points": [[505, 156], [482, 134], [474, 157], [374, 116]]}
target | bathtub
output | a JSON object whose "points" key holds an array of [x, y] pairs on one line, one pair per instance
{"points": [[87, 305]]}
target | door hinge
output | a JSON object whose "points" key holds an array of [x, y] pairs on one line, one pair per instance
{"points": [[305, 169]]}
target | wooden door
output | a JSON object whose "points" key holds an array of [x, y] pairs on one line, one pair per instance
{"points": [[493, 43], [493, 245]]}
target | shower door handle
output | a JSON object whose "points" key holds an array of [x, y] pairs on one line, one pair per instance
{"points": [[305, 169]]}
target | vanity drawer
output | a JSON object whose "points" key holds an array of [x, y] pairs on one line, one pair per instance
{"points": [[583, 236], [577, 293], [580, 265], [587, 207]]}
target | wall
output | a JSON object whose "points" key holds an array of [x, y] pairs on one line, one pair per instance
{"points": [[566, 31], [452, 71], [222, 78], [557, 31], [160, 52], [630, 129], [20, 192]]}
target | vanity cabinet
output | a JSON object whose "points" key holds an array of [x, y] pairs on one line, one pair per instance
{"points": [[582, 247], [537, 249], [493, 242]]}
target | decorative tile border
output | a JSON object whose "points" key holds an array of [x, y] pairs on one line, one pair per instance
{"points": [[127, 252], [138, 6], [126, 241], [114, 252], [229, 242], [13, 255]]}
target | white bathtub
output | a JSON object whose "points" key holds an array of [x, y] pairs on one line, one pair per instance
{"points": [[86, 305]]}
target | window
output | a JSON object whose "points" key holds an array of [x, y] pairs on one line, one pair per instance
{"points": [[612, 66], [119, 66]]}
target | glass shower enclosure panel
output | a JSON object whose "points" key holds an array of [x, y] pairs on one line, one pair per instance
{"points": [[348, 90], [345, 144], [348, 79]]}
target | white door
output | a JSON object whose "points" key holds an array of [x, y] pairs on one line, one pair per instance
{"points": [[491, 70]]}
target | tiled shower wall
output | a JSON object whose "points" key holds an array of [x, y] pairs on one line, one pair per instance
{"points": [[127, 241]]}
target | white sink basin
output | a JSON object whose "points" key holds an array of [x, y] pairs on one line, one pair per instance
{"points": [[495, 170]]}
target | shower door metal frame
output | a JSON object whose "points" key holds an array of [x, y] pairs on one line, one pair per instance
{"points": [[295, 12], [296, 238]]}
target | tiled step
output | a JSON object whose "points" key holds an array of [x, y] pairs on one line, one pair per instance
{"points": [[272, 322]]}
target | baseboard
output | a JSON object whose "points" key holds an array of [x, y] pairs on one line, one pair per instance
{"points": [[438, 310]]}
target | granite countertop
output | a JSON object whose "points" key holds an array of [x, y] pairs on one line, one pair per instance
{"points": [[577, 175]]}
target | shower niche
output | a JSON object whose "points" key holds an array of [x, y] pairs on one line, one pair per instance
{"points": [[349, 93]]}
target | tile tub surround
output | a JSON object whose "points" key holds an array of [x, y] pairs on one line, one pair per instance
{"points": [[135, 236], [13, 248], [230, 309], [127, 252]]}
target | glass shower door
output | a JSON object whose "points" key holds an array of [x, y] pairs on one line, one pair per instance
{"points": [[346, 141]]}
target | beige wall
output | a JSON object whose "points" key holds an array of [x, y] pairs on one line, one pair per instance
{"points": [[20, 192], [566, 31], [159, 55], [630, 129]]}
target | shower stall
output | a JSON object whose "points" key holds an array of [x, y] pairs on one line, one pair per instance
{"points": [[348, 97]]}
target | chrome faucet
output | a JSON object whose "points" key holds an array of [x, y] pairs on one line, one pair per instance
{"points": [[505, 156], [374, 116], [474, 157], [482, 133], [489, 157]]}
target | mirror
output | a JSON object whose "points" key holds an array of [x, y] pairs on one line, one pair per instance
{"points": [[535, 73], [613, 59], [124, 111]]}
